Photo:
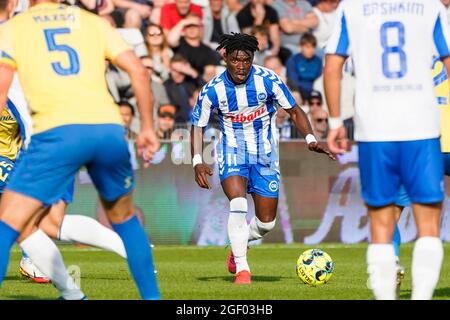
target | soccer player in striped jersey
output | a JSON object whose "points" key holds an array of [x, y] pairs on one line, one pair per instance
{"points": [[397, 125], [75, 123], [246, 98]]}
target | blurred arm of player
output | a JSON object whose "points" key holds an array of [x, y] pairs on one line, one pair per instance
{"points": [[147, 142], [303, 125], [201, 169], [332, 75], [6, 79]]}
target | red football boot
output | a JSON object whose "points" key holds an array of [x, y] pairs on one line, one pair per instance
{"points": [[243, 277]]}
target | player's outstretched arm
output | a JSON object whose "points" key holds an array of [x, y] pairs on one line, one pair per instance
{"points": [[200, 169], [332, 75], [7, 75], [303, 125], [147, 142]]}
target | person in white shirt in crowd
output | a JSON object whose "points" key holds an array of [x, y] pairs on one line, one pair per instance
{"points": [[325, 11], [218, 20], [158, 50]]}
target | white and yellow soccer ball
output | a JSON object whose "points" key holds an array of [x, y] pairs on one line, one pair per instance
{"points": [[314, 267]]}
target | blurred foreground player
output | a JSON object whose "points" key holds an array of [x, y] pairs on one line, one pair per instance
{"points": [[397, 126], [75, 123], [246, 97]]}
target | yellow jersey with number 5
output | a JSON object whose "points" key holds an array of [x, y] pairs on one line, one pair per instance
{"points": [[59, 53], [442, 90]]}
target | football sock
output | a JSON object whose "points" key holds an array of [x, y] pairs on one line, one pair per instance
{"points": [[140, 260], [396, 241], [258, 229], [47, 258], [82, 229], [7, 238], [382, 270], [238, 232], [426, 266]]}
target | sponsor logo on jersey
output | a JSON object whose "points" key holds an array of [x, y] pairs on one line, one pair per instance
{"points": [[248, 117]]}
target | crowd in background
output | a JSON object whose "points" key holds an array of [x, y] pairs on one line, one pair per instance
{"points": [[176, 41]]}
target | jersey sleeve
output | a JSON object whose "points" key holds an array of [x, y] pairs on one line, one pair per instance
{"points": [[441, 33], [7, 46], [339, 42], [114, 43], [206, 102], [281, 93]]}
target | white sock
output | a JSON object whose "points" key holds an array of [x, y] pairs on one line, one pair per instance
{"points": [[82, 229], [428, 254], [47, 258], [238, 232], [258, 229], [382, 270]]}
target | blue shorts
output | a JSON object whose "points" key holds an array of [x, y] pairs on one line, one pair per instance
{"points": [[263, 177], [6, 167], [47, 169], [446, 163], [417, 165]]}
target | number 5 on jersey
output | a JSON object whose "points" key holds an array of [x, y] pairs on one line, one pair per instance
{"points": [[74, 63]]}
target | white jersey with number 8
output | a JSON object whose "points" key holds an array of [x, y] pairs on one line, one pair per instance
{"points": [[392, 43]]}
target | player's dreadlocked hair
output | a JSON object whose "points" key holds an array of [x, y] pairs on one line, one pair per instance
{"points": [[237, 41]]}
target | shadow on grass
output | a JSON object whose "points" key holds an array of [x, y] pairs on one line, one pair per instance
{"points": [[440, 292], [26, 297], [15, 278], [230, 278]]}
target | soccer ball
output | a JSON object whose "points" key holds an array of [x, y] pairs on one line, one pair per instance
{"points": [[314, 267]]}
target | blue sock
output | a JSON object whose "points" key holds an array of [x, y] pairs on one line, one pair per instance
{"points": [[396, 241], [7, 238], [139, 256]]}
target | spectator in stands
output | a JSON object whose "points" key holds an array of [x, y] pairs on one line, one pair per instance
{"points": [[325, 12], [283, 124], [218, 20], [127, 112], [257, 13], [131, 13], [319, 119], [305, 67], [159, 91], [274, 63], [262, 35], [155, 16], [165, 121], [159, 50], [315, 101], [187, 41], [174, 13], [181, 84], [296, 18]]}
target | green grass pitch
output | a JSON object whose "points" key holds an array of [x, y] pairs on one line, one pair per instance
{"points": [[190, 272]]}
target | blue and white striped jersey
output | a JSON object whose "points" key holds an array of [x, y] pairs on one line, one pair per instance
{"points": [[247, 112], [392, 43]]}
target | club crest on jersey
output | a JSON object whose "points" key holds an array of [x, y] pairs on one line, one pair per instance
{"points": [[247, 117], [262, 96]]}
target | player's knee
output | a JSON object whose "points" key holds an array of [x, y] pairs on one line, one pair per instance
{"points": [[265, 227], [239, 205]]}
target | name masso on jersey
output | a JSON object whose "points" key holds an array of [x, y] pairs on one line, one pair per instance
{"points": [[69, 17]]}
